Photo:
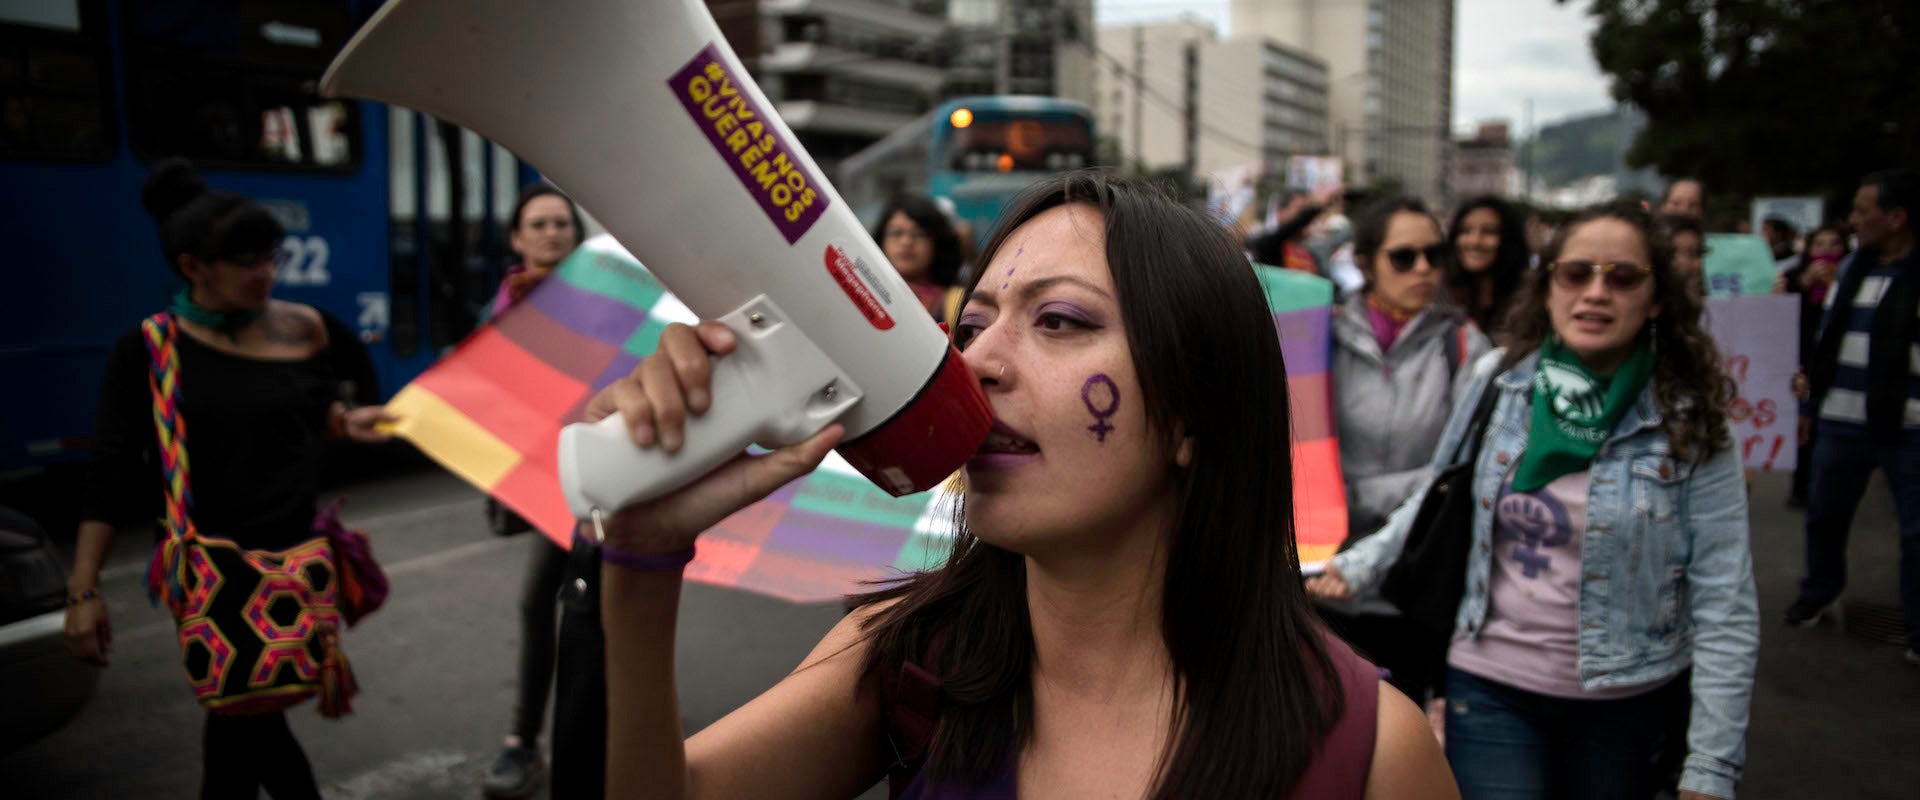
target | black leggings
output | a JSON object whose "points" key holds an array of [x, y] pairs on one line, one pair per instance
{"points": [[539, 600], [243, 754]]}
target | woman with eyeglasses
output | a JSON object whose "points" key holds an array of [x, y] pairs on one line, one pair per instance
{"points": [[922, 244], [1397, 356], [1608, 577]]}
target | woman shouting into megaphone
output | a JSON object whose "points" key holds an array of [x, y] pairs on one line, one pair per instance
{"points": [[1121, 613]]}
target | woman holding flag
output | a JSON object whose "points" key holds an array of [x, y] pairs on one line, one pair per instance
{"points": [[1608, 576], [258, 382], [1121, 612]]}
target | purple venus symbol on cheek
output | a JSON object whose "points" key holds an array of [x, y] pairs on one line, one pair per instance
{"points": [[1102, 387]]}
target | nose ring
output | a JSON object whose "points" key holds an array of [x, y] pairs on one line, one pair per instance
{"points": [[1003, 371]]}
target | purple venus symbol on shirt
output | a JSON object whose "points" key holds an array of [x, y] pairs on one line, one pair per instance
{"points": [[1109, 396], [1533, 522]]}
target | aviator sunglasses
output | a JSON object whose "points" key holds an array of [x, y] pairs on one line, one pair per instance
{"points": [[1621, 276], [1403, 258]]}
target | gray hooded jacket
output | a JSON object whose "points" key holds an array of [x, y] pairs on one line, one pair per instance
{"points": [[1390, 407]]}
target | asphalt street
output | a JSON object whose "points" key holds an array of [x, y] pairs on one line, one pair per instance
{"points": [[1834, 715]]}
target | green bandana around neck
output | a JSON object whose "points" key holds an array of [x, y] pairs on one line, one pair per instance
{"points": [[1574, 411], [227, 322]]}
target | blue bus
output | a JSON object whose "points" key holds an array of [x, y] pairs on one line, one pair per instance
{"points": [[976, 152], [395, 221]]}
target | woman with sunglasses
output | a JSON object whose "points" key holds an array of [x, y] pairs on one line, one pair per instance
{"points": [[1396, 373], [1609, 576]]}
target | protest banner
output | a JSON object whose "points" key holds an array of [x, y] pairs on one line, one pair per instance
{"points": [[1759, 342], [1738, 264], [1803, 213], [1311, 173]]}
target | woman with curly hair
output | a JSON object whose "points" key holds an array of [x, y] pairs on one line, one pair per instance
{"points": [[1609, 575], [1488, 240]]}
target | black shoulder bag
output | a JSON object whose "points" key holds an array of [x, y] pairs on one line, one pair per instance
{"points": [[1426, 582]]}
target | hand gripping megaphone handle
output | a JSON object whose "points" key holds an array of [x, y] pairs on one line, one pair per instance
{"points": [[776, 388]]}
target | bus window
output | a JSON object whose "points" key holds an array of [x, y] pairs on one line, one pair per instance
{"points": [[54, 99], [233, 84]]}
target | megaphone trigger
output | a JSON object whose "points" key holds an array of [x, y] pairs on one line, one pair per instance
{"points": [[776, 388]]}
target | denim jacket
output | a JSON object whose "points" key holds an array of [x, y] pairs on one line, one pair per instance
{"points": [[1667, 573]]}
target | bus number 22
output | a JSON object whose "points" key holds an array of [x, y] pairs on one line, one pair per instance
{"points": [[303, 261]]}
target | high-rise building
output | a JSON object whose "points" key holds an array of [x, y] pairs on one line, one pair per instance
{"points": [[842, 73], [1173, 95], [1042, 47], [1256, 93], [1391, 85]]}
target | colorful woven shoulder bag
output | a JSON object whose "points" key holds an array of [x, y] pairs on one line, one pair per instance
{"points": [[259, 630]]}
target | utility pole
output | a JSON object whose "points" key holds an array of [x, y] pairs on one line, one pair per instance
{"points": [[1139, 86], [1526, 157]]}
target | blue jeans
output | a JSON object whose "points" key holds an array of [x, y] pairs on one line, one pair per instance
{"points": [[1511, 744], [1842, 461]]}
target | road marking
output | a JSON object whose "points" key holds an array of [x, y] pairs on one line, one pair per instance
{"points": [[406, 776]]}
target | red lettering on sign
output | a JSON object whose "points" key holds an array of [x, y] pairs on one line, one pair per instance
{"points": [[1737, 368], [840, 265]]}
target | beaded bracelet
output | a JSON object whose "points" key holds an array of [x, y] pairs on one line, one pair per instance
{"points": [[649, 562], [77, 599]]}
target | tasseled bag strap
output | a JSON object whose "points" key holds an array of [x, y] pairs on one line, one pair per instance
{"points": [[165, 579]]}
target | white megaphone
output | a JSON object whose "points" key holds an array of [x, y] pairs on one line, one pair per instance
{"points": [[640, 111]]}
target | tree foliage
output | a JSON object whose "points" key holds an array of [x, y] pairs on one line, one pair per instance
{"points": [[1766, 96]]}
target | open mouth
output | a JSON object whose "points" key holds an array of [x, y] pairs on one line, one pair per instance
{"points": [[1593, 318], [1003, 440]]}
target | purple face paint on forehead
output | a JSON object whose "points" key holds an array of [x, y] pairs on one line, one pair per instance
{"points": [[1102, 387], [1008, 278]]}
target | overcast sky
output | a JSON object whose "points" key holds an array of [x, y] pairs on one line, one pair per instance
{"points": [[1506, 51]]}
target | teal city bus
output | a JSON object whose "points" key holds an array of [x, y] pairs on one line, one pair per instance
{"points": [[975, 152]]}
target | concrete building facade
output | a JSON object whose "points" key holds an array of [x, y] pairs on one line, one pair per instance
{"points": [[1174, 95], [1391, 84], [842, 73], [1483, 163], [1040, 47]]}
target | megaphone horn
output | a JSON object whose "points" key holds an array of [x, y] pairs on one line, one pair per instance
{"points": [[641, 112]]}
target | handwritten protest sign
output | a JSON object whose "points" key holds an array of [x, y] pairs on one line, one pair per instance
{"points": [[1759, 341], [1738, 264]]}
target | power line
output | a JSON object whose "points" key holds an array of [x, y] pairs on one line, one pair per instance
{"points": [[1174, 106]]}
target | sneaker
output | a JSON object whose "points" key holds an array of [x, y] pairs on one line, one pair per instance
{"points": [[515, 774], [1805, 613]]}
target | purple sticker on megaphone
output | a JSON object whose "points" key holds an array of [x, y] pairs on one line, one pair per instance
{"points": [[747, 139]]}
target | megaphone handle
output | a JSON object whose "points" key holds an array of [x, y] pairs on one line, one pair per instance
{"points": [[776, 388]]}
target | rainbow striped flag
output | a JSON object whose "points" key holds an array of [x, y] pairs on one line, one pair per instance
{"points": [[1302, 306], [492, 410]]}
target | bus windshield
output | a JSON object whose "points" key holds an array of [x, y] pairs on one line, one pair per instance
{"points": [[1019, 144]]}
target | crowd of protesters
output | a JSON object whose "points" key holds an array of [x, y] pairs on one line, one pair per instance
{"points": [[1600, 636]]}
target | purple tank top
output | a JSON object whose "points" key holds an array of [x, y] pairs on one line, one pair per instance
{"points": [[1337, 771]]}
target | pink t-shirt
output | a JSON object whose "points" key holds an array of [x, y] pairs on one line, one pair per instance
{"points": [[1531, 639]]}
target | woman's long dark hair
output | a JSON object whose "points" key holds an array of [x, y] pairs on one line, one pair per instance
{"points": [[1510, 261], [944, 269], [1688, 383], [1254, 685], [207, 224]]}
